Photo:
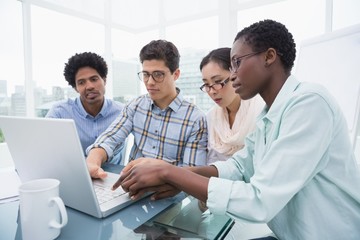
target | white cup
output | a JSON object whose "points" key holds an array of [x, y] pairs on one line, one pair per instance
{"points": [[41, 209]]}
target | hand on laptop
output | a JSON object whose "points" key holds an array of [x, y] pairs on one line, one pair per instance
{"points": [[94, 160], [144, 175], [96, 171]]}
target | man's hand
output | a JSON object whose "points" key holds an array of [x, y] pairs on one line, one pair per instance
{"points": [[96, 171], [94, 160]]}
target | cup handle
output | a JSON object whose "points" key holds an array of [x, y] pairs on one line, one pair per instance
{"points": [[53, 223]]}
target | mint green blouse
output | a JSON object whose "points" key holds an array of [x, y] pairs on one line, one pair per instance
{"points": [[297, 171]]}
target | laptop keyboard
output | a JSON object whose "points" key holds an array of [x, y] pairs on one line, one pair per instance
{"points": [[105, 194], [103, 190]]}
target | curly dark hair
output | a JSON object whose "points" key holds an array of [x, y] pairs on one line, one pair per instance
{"points": [[271, 34], [221, 56], [161, 50], [86, 59]]}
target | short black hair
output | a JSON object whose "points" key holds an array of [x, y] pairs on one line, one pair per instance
{"points": [[271, 34], [85, 59], [161, 50], [221, 56]]}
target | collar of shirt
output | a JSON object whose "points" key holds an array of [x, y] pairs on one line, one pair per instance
{"points": [[174, 105], [83, 112], [289, 86], [268, 116]]}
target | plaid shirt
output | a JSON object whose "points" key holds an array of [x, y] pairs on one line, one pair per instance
{"points": [[177, 134]]}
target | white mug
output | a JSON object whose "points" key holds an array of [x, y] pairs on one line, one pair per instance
{"points": [[41, 209]]}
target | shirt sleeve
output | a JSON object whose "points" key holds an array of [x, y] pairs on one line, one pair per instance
{"points": [[196, 147], [53, 112], [115, 135]]}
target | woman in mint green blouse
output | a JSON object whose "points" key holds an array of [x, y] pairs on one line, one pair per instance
{"points": [[297, 171]]}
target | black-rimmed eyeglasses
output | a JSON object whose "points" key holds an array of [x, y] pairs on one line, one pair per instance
{"points": [[235, 63], [215, 86], [158, 76]]}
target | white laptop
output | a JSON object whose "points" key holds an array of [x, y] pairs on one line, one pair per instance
{"points": [[50, 148]]}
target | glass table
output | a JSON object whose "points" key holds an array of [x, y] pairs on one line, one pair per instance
{"points": [[174, 218]]}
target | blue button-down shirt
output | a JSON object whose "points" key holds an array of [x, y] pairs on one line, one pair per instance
{"points": [[297, 171], [177, 134], [87, 126]]}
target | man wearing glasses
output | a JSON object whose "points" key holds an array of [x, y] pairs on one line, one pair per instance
{"points": [[165, 125]]}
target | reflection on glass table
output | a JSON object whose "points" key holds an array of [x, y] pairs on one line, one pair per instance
{"points": [[185, 220]]}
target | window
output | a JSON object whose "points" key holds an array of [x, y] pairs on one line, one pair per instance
{"points": [[346, 13], [12, 81], [118, 29], [290, 13], [55, 38]]}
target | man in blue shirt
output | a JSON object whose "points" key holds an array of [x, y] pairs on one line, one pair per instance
{"points": [[91, 111], [297, 171], [165, 125]]}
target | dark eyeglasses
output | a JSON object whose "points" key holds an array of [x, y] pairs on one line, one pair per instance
{"points": [[158, 76], [215, 86], [235, 63]]}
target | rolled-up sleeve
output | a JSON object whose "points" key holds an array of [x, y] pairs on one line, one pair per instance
{"points": [[237, 169], [219, 191]]}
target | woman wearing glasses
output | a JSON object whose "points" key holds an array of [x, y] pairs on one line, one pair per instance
{"points": [[231, 119]]}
